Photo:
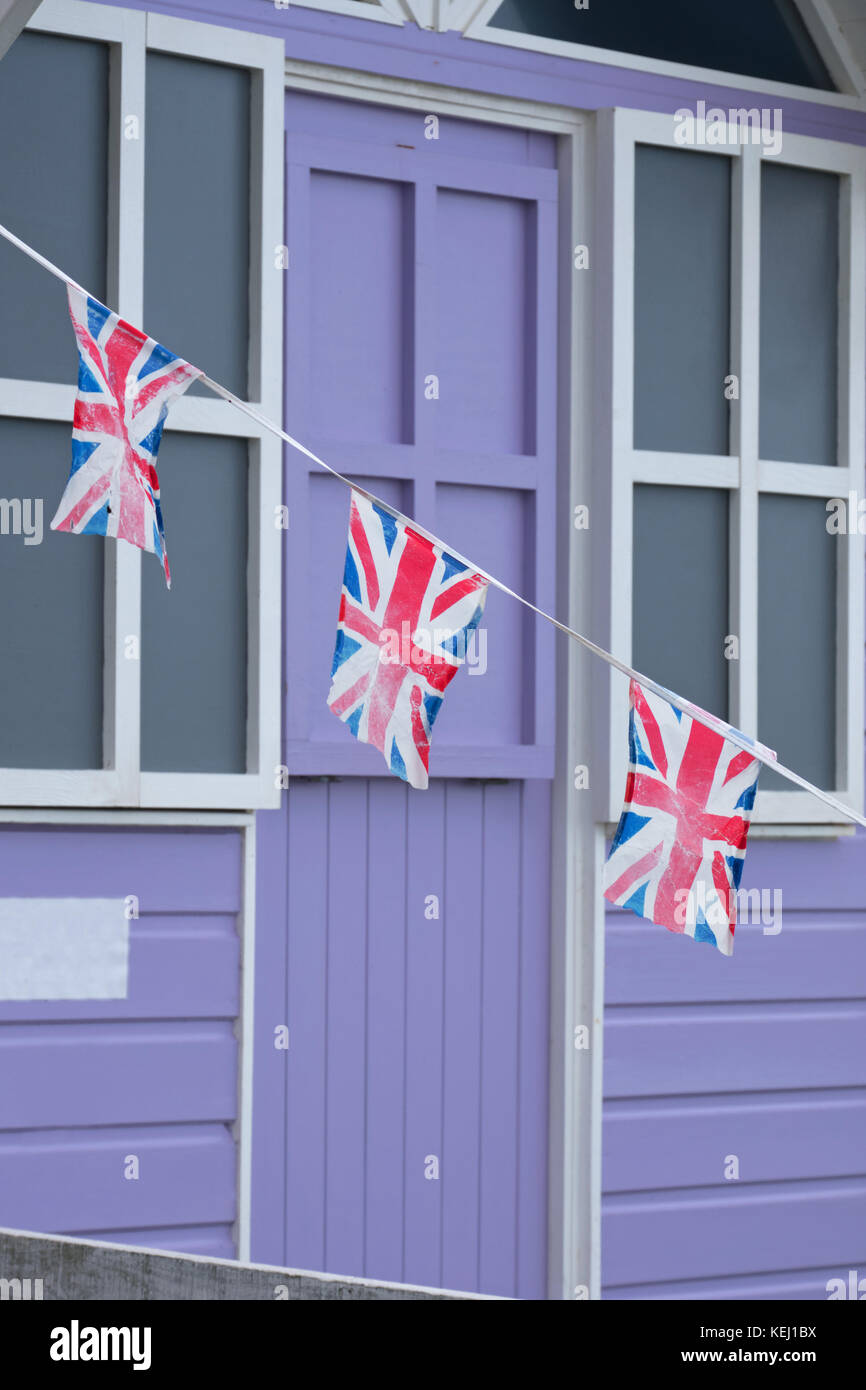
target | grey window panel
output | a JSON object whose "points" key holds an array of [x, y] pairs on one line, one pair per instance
{"points": [[53, 194], [797, 638], [197, 215], [51, 634], [680, 591], [682, 300], [799, 314], [762, 38], [193, 636]]}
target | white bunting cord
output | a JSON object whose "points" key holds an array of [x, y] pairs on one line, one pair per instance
{"points": [[709, 721]]}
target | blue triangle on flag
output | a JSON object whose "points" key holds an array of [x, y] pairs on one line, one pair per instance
{"points": [[735, 864], [350, 577], [638, 756], [397, 764], [636, 901], [629, 824], [96, 317], [98, 523], [451, 565], [389, 527], [81, 451], [354, 720], [346, 646], [747, 800], [154, 439], [160, 357], [703, 931], [86, 380], [432, 706]]}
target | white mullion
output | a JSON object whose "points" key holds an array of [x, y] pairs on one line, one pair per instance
{"points": [[851, 444], [745, 354], [697, 470], [264, 454], [621, 150], [122, 562], [806, 479]]}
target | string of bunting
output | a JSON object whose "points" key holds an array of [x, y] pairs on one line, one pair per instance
{"points": [[678, 852]]}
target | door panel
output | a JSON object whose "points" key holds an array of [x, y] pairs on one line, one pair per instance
{"points": [[408, 944]]}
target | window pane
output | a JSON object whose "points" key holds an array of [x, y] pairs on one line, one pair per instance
{"points": [[682, 300], [799, 314], [51, 614], [193, 636], [53, 194], [680, 592], [763, 38], [797, 638], [196, 225]]}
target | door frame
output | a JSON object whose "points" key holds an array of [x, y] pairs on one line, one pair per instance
{"points": [[577, 917]]}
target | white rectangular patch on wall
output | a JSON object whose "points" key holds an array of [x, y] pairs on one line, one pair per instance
{"points": [[63, 948]]}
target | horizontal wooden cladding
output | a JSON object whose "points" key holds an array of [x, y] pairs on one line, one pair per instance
{"points": [[732, 1229], [168, 870], [70, 1181], [63, 1074], [665, 1143], [816, 955], [804, 1285], [180, 966], [708, 1048], [215, 1241], [822, 876]]}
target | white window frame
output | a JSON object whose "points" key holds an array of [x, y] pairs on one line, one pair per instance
{"points": [[742, 471], [384, 11], [120, 781], [816, 15]]}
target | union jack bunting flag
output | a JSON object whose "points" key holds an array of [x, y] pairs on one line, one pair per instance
{"points": [[125, 384], [406, 611], [678, 852]]}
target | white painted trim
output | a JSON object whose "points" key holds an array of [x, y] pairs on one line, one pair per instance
{"points": [[831, 43], [12, 20], [744, 473], [851, 98], [577, 917], [382, 11], [120, 783], [191, 790], [420, 12], [353, 84], [122, 563], [207, 820]]}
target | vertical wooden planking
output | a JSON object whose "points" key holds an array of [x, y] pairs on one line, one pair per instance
{"points": [[346, 1026], [499, 1013], [425, 828], [463, 903], [533, 1024], [386, 1022], [308, 1021]]}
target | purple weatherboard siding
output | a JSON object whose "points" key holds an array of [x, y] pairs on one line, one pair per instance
{"points": [[761, 1057], [85, 1083]]}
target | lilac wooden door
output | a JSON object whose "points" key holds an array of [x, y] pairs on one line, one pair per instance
{"points": [[404, 935]]}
